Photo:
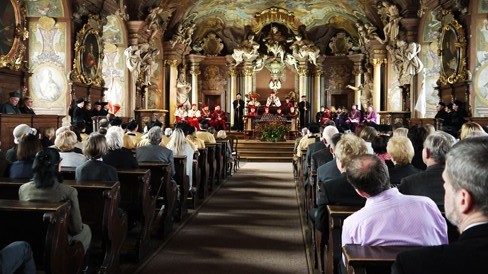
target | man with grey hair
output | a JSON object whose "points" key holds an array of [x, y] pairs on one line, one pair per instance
{"points": [[153, 152], [429, 182], [389, 218], [466, 206]]}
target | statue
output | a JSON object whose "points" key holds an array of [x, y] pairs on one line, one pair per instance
{"points": [[260, 62], [390, 16], [183, 34], [133, 60], [305, 49], [157, 20], [248, 50], [274, 42], [183, 88], [149, 65]]}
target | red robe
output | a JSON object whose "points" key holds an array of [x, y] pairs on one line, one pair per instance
{"points": [[218, 120]]}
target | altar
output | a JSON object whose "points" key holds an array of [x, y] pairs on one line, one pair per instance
{"points": [[253, 123]]}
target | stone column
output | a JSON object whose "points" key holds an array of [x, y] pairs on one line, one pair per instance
{"points": [[302, 79], [195, 71], [248, 73], [173, 76], [317, 89], [357, 71], [233, 86], [135, 33], [377, 63]]}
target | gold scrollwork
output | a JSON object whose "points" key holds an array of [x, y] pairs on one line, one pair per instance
{"points": [[87, 66], [14, 37], [452, 49]]}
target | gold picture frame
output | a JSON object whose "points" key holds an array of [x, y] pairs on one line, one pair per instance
{"points": [[87, 66], [13, 33], [452, 50]]}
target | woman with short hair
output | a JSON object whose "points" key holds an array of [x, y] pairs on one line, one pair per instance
{"points": [[401, 151], [66, 142], [118, 156], [28, 146], [94, 169]]}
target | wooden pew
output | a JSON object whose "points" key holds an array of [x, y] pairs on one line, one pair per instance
{"points": [[182, 180], [136, 201], [195, 183], [337, 214], [218, 163], [204, 171], [211, 165], [371, 259], [163, 190], [99, 207], [45, 227]]}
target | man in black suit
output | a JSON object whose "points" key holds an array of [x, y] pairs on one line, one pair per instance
{"points": [[429, 182], [326, 155], [304, 109], [322, 144], [238, 106], [466, 206]]}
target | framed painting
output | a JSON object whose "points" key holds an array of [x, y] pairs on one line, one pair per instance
{"points": [[89, 53], [452, 50], [13, 34]]}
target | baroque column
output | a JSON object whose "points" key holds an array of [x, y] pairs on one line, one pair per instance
{"points": [[233, 85], [135, 33], [302, 79], [195, 72], [248, 70], [377, 63], [172, 58], [357, 71]]}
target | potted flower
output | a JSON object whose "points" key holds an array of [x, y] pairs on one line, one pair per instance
{"points": [[273, 131]]}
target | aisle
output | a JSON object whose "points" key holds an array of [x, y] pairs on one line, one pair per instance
{"points": [[251, 225]]}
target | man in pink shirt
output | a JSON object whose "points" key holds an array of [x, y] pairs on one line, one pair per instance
{"points": [[389, 217]]}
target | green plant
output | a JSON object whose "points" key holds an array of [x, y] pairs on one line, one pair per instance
{"points": [[273, 130]]}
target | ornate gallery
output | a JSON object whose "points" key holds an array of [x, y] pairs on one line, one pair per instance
{"points": [[146, 58]]}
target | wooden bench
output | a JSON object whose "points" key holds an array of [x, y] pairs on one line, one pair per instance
{"points": [[99, 207], [204, 171], [136, 201], [212, 163], [195, 183], [45, 227], [371, 259], [163, 190], [182, 180], [337, 214]]}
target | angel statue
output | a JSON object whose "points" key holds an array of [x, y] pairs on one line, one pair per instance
{"points": [[183, 89], [149, 65], [391, 19], [133, 60], [183, 34]]}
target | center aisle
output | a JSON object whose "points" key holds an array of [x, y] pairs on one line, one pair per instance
{"points": [[251, 225]]}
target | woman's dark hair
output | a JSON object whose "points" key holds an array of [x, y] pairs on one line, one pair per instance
{"points": [[45, 168], [417, 134], [379, 144], [28, 146]]}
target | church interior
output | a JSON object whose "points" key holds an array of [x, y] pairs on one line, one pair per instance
{"points": [[150, 59]]}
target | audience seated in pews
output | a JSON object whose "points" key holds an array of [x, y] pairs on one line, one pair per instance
{"points": [[379, 222], [28, 146], [429, 182], [46, 185], [203, 134], [133, 134], [17, 258], [466, 204], [192, 137], [379, 147], [153, 152], [65, 142], [368, 133], [94, 169], [321, 152], [180, 147], [471, 129], [334, 188], [166, 136], [221, 135], [48, 136], [117, 155], [312, 137], [401, 152]]}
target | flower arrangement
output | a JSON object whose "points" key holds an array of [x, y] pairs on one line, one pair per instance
{"points": [[273, 131]]}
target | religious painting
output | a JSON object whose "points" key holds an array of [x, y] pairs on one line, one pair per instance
{"points": [[430, 74], [7, 26], [51, 8], [48, 83], [431, 28], [452, 50], [481, 84], [483, 6], [89, 53], [48, 42], [112, 31], [13, 34], [481, 42]]}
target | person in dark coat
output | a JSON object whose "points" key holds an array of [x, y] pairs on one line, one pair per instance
{"points": [[26, 107], [401, 151], [238, 106], [94, 169], [12, 106], [79, 112], [304, 110], [466, 207]]}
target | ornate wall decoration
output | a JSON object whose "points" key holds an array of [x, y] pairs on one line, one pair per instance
{"points": [[47, 61], [215, 81], [13, 34], [452, 50], [112, 31], [340, 44], [89, 53], [51, 8], [113, 72], [212, 45]]}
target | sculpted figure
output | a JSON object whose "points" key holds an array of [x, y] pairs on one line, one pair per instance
{"points": [[183, 88]]}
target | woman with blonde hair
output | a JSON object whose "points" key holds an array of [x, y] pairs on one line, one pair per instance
{"points": [[66, 142], [401, 151], [180, 147], [470, 129]]}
